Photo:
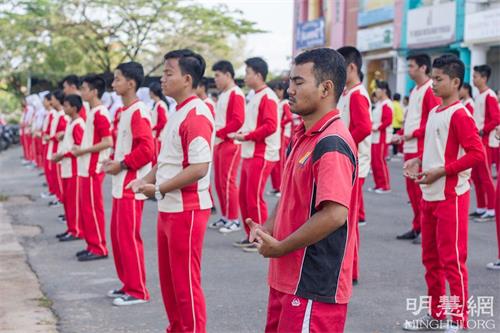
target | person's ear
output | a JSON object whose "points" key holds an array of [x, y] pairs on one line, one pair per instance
{"points": [[327, 88]]}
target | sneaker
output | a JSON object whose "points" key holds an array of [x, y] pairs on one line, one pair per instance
{"points": [[230, 227], [425, 323], [274, 192], [54, 203], [412, 234], [217, 224], [242, 243], [115, 293], [417, 240], [453, 328], [486, 217], [372, 189], [495, 265], [381, 191], [81, 253], [62, 234], [46, 195], [68, 238], [128, 300], [252, 248], [361, 223], [89, 256], [475, 214]]}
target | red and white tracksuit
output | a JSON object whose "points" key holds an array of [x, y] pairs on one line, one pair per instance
{"points": [[497, 216], [285, 116], [211, 105], [355, 109], [260, 153], [158, 122], [134, 147], [229, 117], [381, 138], [28, 136], [57, 127], [487, 117], [69, 174], [91, 176], [422, 101], [183, 215], [452, 142]]}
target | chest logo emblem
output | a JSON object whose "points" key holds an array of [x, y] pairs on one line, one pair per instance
{"points": [[296, 302], [304, 158]]}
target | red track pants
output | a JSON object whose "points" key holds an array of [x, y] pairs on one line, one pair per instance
{"points": [[292, 314], [57, 183], [74, 218], [180, 244], [280, 166], [227, 157], [483, 185], [92, 210], [379, 166], [253, 179], [497, 215], [444, 253], [414, 194], [128, 249]]}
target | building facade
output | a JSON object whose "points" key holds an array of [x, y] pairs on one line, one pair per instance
{"points": [[387, 31]]}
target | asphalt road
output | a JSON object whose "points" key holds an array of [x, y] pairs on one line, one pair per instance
{"points": [[234, 282]]}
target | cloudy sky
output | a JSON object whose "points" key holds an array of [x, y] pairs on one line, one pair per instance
{"points": [[274, 16]]}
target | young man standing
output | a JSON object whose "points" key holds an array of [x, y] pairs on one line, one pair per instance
{"points": [[451, 147], [93, 151], [487, 117], [180, 182], [310, 237], [355, 109], [71, 86], [73, 135], [422, 101], [381, 137], [134, 151], [229, 117], [201, 92], [260, 139], [57, 129]]}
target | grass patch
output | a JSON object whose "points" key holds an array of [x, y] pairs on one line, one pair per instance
{"points": [[44, 302], [3, 197]]}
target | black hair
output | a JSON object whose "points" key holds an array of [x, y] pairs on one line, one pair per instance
{"points": [[132, 71], [214, 94], [352, 56], [190, 63], [421, 59], [59, 95], [155, 88], [452, 66], [72, 79], [203, 82], [48, 96], [384, 86], [95, 82], [280, 85], [224, 66], [258, 65], [484, 71], [468, 87], [74, 101], [396, 97], [406, 98], [328, 64]]}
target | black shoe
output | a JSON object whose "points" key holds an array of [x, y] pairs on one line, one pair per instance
{"points": [[412, 234], [89, 256], [68, 238], [354, 282], [213, 210], [61, 234], [61, 216], [81, 253], [475, 214]]}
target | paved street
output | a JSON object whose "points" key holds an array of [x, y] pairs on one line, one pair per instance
{"points": [[234, 281]]}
